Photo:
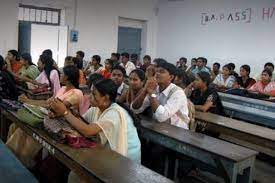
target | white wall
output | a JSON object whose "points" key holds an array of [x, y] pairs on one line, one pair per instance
{"points": [[97, 22], [182, 34], [9, 26]]}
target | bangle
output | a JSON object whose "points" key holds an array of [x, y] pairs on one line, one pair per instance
{"points": [[65, 113]]}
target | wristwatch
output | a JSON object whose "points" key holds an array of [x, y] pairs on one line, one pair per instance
{"points": [[153, 95]]}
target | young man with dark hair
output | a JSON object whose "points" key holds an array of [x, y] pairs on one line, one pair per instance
{"points": [[115, 58], [200, 66], [215, 70], [146, 62], [126, 64], [168, 101], [181, 64], [81, 64]]}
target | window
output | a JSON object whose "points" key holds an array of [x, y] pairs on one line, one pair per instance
{"points": [[39, 15]]}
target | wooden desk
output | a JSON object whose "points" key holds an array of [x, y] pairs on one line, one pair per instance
{"points": [[97, 164], [232, 162], [256, 137], [257, 111], [11, 169], [37, 96]]}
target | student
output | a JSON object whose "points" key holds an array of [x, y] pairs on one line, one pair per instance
{"points": [[116, 58], [215, 70], [136, 82], [181, 64], [205, 64], [135, 60], [107, 71], [49, 53], [24, 146], [128, 66], [8, 88], [49, 75], [74, 61], [13, 61], [200, 66], [181, 79], [146, 62], [109, 121], [94, 66], [93, 79], [265, 85], [232, 70], [118, 75], [244, 81], [224, 80], [28, 70], [204, 98], [269, 66], [192, 66], [81, 63], [168, 101]]}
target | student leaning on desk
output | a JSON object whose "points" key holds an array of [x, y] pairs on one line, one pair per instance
{"points": [[108, 120]]}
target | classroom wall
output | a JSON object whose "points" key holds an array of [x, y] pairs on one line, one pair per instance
{"points": [[240, 37], [9, 26], [97, 22]]}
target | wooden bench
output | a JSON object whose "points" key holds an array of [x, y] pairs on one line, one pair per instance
{"points": [[232, 162], [97, 164], [35, 96], [252, 110], [11, 169], [256, 137]]}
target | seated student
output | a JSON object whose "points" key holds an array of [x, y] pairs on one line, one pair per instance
{"points": [[200, 66], [126, 64], [224, 80], [215, 70], [192, 66], [107, 120], [49, 75], [13, 61], [116, 58], [205, 64], [24, 146], [118, 75], [28, 70], [265, 85], [181, 79], [146, 62], [49, 53], [107, 71], [93, 79], [136, 82], [232, 70], [204, 98], [93, 66], [74, 61], [269, 66], [244, 81], [81, 64], [135, 60], [69, 92], [8, 88], [181, 64], [168, 101]]}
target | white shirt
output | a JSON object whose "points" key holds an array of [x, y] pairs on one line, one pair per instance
{"points": [[173, 106], [227, 83], [121, 88], [129, 67]]}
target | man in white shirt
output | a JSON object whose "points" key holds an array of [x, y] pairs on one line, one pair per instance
{"points": [[126, 64], [168, 101]]}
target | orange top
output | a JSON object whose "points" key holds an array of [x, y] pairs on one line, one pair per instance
{"points": [[105, 74], [82, 79], [16, 67]]}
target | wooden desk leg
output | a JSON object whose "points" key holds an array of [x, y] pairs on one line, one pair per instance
{"points": [[247, 176]]}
